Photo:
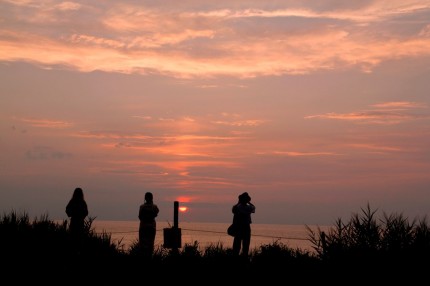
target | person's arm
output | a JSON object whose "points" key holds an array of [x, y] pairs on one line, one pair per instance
{"points": [[234, 209], [140, 213], [252, 207]]}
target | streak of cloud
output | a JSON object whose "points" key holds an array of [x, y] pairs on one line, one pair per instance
{"points": [[47, 123], [127, 38], [388, 113]]}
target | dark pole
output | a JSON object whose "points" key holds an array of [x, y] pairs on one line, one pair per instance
{"points": [[175, 214], [172, 235]]}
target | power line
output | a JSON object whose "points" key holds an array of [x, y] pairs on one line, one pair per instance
{"points": [[259, 235], [211, 231]]}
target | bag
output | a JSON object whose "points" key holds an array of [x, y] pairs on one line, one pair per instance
{"points": [[231, 230]]}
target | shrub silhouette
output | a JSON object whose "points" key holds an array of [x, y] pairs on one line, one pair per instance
{"points": [[371, 245], [364, 246]]}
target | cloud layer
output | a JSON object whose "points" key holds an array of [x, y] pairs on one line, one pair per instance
{"points": [[192, 40]]}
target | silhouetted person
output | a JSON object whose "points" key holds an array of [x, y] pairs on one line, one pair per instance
{"points": [[148, 211], [77, 211], [242, 220]]}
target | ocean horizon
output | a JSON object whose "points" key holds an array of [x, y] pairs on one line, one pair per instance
{"points": [[125, 234]]}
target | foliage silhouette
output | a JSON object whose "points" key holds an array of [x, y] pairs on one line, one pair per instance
{"points": [[365, 246]]}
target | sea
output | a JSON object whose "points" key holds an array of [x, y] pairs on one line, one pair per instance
{"points": [[125, 234]]}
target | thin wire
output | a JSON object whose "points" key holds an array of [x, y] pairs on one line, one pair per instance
{"points": [[219, 232], [260, 235]]}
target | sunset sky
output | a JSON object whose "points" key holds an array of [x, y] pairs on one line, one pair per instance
{"points": [[315, 108]]}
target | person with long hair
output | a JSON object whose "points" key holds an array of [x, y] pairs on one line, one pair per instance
{"points": [[148, 211], [77, 211]]}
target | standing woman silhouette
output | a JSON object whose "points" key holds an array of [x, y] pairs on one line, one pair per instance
{"points": [[77, 211], [148, 211]]}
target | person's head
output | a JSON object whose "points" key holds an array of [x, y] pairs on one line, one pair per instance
{"points": [[244, 198], [148, 197], [78, 194]]}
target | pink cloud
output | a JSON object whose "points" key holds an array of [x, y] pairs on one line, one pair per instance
{"points": [[388, 113]]}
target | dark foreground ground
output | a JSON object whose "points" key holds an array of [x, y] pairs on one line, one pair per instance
{"points": [[362, 251], [227, 271]]}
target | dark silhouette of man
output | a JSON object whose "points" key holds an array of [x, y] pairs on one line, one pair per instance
{"points": [[242, 220]]}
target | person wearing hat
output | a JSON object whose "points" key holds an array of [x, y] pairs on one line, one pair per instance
{"points": [[242, 221]]}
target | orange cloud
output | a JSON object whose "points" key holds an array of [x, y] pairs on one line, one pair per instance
{"points": [[376, 147], [251, 122], [129, 39], [400, 104], [389, 113], [301, 154], [47, 123]]}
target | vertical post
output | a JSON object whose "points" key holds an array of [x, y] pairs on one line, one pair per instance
{"points": [[176, 230], [175, 214], [172, 236]]}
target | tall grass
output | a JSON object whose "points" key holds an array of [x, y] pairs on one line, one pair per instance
{"points": [[22, 237], [364, 244], [388, 243]]}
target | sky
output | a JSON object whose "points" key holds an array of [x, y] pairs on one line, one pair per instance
{"points": [[317, 109]]}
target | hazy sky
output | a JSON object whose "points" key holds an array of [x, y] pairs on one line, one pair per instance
{"points": [[315, 108]]}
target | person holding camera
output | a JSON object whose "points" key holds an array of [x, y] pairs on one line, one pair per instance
{"points": [[242, 220]]}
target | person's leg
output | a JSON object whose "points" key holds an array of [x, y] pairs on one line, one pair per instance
{"points": [[145, 241], [237, 241], [151, 239], [246, 242], [245, 247]]}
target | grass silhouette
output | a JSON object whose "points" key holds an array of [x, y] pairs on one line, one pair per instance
{"points": [[364, 249]]}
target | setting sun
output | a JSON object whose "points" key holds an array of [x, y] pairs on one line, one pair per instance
{"points": [[183, 209]]}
